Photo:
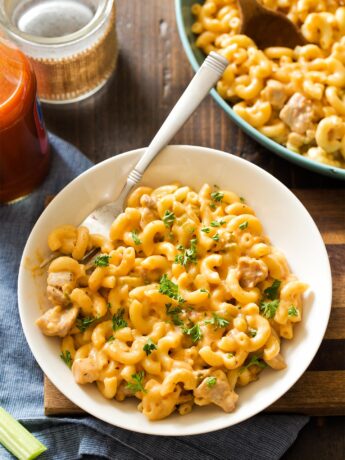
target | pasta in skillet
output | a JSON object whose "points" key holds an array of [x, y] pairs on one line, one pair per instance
{"points": [[293, 96], [187, 301]]}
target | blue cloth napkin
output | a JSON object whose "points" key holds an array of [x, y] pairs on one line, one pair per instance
{"points": [[264, 437]]}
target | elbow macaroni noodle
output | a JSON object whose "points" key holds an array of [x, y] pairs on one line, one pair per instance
{"points": [[260, 84], [180, 308]]}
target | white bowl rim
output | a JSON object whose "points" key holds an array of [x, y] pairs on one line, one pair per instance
{"points": [[221, 422]]}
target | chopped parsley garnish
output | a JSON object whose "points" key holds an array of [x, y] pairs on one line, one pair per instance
{"points": [[217, 223], [109, 305], [215, 237], [217, 196], [168, 218], [66, 358], [189, 255], [272, 291], [194, 332], [254, 361], [111, 338], [268, 309], [137, 384], [84, 323], [205, 290], [174, 312], [212, 206], [242, 200], [149, 347], [230, 355], [135, 238], [102, 260], [252, 332], [170, 289], [206, 229], [211, 381], [244, 225], [292, 311], [217, 321], [118, 321]]}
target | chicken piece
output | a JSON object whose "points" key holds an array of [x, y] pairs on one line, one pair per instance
{"points": [[275, 93], [219, 393], [59, 284], [57, 322], [147, 216], [277, 362], [148, 201], [251, 272], [298, 113], [57, 297], [85, 370], [60, 279], [123, 391]]}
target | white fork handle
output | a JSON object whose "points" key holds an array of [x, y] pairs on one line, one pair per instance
{"points": [[205, 78]]}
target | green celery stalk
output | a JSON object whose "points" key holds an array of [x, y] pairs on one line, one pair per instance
{"points": [[17, 439]]}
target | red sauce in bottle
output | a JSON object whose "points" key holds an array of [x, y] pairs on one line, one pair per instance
{"points": [[24, 148]]}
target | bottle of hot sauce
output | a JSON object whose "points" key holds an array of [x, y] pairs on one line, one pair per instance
{"points": [[24, 148]]}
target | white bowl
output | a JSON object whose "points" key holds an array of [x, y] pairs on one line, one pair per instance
{"points": [[285, 221]]}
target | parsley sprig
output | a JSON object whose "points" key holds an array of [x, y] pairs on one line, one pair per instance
{"points": [[174, 312], [254, 361], [217, 321], [84, 323], [269, 307], [118, 321], [102, 260], [272, 291], [169, 218], [135, 238], [194, 332], [211, 381], [292, 311], [205, 290], [244, 225], [217, 196], [215, 237], [217, 223], [189, 255], [137, 384], [169, 288], [67, 358], [149, 347]]}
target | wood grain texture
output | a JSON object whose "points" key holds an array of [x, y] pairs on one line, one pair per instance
{"points": [[152, 72], [316, 393]]}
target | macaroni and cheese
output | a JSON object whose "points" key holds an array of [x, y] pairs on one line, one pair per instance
{"points": [[293, 96], [186, 301]]}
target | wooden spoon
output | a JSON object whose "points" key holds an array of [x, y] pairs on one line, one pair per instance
{"points": [[267, 27]]}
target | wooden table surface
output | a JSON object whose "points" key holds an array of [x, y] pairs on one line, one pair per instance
{"points": [[152, 72]]}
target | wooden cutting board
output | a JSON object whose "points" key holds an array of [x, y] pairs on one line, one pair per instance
{"points": [[321, 389]]}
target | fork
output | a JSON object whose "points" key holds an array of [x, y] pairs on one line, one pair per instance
{"points": [[100, 220]]}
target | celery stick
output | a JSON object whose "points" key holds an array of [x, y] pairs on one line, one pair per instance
{"points": [[17, 439]]}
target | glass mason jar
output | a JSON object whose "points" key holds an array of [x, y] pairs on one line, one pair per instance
{"points": [[24, 148], [72, 44]]}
